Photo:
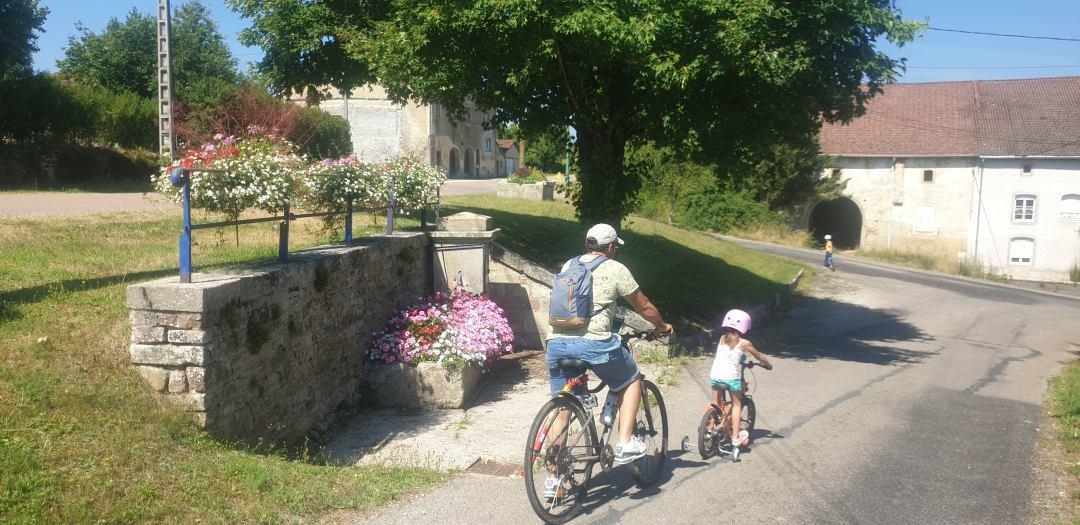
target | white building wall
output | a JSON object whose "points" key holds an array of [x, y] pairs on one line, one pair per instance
{"points": [[1056, 235], [901, 211], [381, 129]]}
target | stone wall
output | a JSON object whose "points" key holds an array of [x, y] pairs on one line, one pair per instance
{"points": [[273, 351], [523, 290], [537, 191]]}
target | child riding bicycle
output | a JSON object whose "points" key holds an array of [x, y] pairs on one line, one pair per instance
{"points": [[726, 372]]}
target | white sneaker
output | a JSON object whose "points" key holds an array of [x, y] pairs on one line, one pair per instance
{"points": [[630, 451]]}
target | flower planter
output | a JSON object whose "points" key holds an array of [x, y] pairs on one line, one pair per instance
{"points": [[537, 191], [423, 385]]}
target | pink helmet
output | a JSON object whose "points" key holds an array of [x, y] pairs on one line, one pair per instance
{"points": [[737, 320]]}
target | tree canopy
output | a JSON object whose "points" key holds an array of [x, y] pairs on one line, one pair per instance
{"points": [[122, 57], [20, 20], [713, 76]]}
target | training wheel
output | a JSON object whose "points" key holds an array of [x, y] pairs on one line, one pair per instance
{"points": [[685, 445]]}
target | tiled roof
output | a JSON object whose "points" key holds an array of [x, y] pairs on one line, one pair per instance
{"points": [[1039, 116], [505, 143]]}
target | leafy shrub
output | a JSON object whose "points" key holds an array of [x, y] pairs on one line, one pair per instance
{"points": [[330, 135], [315, 133], [526, 175], [725, 211], [38, 109], [1074, 273]]}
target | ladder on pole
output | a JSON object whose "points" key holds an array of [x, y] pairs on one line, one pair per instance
{"points": [[167, 144]]}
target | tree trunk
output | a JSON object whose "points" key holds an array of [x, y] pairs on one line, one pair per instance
{"points": [[606, 188]]}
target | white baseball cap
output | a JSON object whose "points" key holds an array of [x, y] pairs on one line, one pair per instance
{"points": [[604, 234], [828, 237]]}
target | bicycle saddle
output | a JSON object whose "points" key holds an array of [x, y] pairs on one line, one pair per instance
{"points": [[569, 362]]}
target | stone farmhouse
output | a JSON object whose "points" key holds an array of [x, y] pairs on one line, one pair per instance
{"points": [[381, 129], [984, 170]]}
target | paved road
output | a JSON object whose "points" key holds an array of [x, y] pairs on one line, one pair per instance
{"points": [[898, 397], [52, 204]]}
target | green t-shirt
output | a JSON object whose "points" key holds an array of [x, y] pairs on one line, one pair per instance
{"points": [[611, 280]]}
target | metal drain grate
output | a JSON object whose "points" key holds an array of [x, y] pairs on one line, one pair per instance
{"points": [[493, 468]]}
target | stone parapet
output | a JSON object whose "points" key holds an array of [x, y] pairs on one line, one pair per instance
{"points": [[537, 191], [273, 350]]}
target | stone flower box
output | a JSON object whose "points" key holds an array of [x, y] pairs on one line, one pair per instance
{"points": [[537, 191], [423, 385]]}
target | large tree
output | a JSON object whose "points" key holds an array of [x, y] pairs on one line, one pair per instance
{"points": [[20, 20], [716, 76], [123, 56]]}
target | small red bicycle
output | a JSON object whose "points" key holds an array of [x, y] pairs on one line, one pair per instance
{"points": [[714, 432]]}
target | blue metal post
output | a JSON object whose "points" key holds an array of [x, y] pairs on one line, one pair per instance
{"points": [[348, 223], [180, 177], [283, 237], [390, 209]]}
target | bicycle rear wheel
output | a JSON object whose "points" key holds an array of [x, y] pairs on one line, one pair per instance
{"points": [[551, 459], [652, 428]]}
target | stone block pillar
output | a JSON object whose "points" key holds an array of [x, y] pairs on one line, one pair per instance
{"points": [[462, 252]]}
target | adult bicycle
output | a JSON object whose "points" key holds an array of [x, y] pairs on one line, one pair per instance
{"points": [[563, 448]]}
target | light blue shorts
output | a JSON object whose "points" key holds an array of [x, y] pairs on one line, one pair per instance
{"points": [[734, 385]]}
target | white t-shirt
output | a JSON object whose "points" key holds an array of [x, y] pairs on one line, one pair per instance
{"points": [[725, 366]]}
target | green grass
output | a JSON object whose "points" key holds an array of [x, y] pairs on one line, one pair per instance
{"points": [[83, 440], [1064, 404], [691, 276], [937, 263], [112, 186]]}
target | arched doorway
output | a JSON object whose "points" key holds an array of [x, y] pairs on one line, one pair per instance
{"points": [[841, 218], [455, 165], [468, 164]]}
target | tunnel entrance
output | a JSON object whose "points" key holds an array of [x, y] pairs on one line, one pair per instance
{"points": [[839, 217]]}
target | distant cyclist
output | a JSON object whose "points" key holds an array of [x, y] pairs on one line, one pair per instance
{"points": [[828, 253], [597, 345]]}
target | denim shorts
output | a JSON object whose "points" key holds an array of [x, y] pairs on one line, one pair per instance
{"points": [[607, 359]]}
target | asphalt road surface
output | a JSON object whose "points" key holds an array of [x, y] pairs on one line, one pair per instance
{"points": [[898, 397], [14, 205]]}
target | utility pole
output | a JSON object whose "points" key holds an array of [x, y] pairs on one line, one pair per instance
{"points": [[167, 144]]}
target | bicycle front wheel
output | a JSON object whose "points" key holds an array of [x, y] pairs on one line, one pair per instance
{"points": [[651, 428], [556, 480], [749, 417], [710, 433]]}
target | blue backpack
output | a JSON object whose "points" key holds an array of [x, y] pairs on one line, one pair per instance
{"points": [[572, 295]]}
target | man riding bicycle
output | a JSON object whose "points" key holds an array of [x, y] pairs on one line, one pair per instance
{"points": [[598, 346]]}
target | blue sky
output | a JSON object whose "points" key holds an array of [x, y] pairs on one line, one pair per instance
{"points": [[934, 56]]}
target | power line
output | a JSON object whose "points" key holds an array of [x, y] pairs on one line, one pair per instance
{"points": [[995, 67], [1007, 35]]}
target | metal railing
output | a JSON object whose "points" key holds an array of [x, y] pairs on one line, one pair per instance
{"points": [[181, 177]]}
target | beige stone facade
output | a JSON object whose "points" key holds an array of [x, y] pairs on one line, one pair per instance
{"points": [[381, 129]]}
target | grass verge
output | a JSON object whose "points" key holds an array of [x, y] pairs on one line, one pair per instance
{"points": [[939, 263], [81, 438], [691, 276], [1065, 406], [112, 186]]}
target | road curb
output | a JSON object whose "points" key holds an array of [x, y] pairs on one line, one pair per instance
{"points": [[763, 311]]}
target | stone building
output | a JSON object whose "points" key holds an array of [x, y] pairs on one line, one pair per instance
{"points": [[381, 129], [985, 170]]}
